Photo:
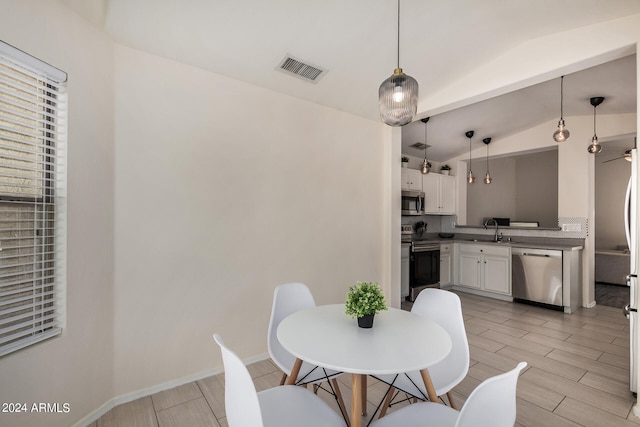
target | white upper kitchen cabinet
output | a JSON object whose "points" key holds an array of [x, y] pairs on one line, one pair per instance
{"points": [[411, 179], [439, 194]]}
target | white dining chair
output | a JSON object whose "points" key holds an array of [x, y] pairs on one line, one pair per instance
{"points": [[492, 403], [288, 299], [282, 406], [444, 308]]}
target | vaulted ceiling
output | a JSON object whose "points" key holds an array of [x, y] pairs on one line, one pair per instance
{"points": [[356, 42]]}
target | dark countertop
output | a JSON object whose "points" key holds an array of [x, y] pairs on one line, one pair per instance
{"points": [[516, 242]]}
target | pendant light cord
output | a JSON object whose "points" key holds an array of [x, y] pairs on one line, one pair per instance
{"points": [[487, 157], [425, 140], [398, 50], [561, 97], [594, 123]]}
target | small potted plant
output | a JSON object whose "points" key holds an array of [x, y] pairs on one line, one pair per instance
{"points": [[364, 300], [405, 161], [444, 169]]}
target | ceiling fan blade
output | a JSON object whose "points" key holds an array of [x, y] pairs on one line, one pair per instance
{"points": [[615, 158]]}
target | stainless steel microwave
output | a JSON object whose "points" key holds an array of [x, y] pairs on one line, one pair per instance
{"points": [[412, 202]]}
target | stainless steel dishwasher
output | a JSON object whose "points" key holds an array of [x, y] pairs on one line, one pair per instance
{"points": [[536, 275]]}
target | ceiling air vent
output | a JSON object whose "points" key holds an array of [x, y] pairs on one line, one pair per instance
{"points": [[419, 145], [295, 67]]}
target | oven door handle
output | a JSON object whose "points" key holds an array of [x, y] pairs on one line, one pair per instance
{"points": [[427, 249]]}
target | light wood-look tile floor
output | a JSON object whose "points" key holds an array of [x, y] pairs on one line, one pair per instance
{"points": [[577, 374]]}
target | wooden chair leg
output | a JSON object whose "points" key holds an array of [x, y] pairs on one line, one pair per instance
{"points": [[283, 379], [452, 402], [387, 402], [294, 372], [343, 408]]}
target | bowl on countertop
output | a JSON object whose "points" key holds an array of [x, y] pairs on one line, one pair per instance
{"points": [[446, 235]]}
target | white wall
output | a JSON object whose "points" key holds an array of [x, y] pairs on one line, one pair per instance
{"points": [[223, 191], [77, 367], [537, 188], [497, 199]]}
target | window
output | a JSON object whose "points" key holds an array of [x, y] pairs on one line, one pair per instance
{"points": [[32, 200]]}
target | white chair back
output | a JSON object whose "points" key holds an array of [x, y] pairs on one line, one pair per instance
{"points": [[493, 402], [240, 398], [287, 299], [445, 308]]}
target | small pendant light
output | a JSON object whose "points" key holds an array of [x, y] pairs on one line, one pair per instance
{"points": [[398, 95], [487, 177], [425, 163], [470, 178], [594, 147], [562, 133]]}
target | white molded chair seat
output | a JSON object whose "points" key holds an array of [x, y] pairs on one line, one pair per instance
{"points": [[444, 308], [288, 299], [492, 404], [283, 406]]}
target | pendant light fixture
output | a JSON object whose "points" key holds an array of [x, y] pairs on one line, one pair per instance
{"points": [[594, 147], [562, 133], [425, 163], [470, 178], [487, 177], [398, 95]]}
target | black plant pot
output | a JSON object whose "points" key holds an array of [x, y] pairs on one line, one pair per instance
{"points": [[366, 321]]}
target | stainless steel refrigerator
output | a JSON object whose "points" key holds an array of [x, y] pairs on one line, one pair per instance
{"points": [[633, 237]]}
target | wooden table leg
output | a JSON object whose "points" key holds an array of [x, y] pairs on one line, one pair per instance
{"points": [[356, 400], [431, 390], [363, 393], [294, 372]]}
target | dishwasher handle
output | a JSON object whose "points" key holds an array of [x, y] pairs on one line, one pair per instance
{"points": [[539, 253]]}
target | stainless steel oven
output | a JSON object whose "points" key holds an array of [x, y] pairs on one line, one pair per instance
{"points": [[424, 267]]}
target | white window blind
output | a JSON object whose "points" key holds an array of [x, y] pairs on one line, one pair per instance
{"points": [[32, 200]]}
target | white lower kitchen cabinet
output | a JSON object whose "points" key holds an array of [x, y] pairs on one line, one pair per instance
{"points": [[485, 269], [445, 265]]}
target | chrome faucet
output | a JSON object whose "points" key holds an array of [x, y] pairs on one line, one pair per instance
{"points": [[496, 237]]}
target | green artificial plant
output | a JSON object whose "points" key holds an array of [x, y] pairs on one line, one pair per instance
{"points": [[364, 298]]}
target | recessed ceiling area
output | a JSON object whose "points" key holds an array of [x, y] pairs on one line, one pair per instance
{"points": [[517, 111]]}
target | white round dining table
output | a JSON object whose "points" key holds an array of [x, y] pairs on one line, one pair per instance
{"points": [[398, 342]]}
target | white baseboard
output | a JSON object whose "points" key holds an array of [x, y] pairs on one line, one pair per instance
{"points": [[130, 397]]}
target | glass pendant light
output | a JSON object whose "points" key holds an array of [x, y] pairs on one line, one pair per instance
{"points": [[470, 178], [398, 95], [594, 147], [425, 163], [487, 177], [562, 133]]}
